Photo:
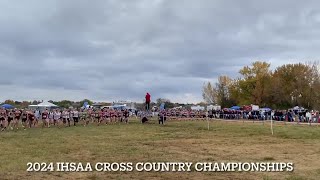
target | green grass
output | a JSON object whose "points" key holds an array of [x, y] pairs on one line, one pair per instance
{"points": [[185, 141]]}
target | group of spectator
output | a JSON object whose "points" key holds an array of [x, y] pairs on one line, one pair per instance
{"points": [[277, 115]]}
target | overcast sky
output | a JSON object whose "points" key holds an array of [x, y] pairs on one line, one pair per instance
{"points": [[108, 50]]}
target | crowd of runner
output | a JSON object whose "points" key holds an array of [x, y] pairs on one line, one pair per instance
{"points": [[10, 119]]}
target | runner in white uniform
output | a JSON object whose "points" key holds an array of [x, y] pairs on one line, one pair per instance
{"points": [[65, 116], [75, 115], [3, 119], [57, 117], [51, 120]]}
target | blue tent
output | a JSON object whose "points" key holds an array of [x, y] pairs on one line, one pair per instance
{"points": [[162, 106], [266, 109], [85, 104], [235, 108], [119, 107], [7, 106]]}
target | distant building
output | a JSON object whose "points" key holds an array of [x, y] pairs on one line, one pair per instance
{"points": [[97, 105]]}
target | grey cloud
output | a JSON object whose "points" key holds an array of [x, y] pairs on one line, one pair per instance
{"points": [[108, 50]]}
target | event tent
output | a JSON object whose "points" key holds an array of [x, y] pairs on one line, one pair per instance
{"points": [[212, 107], [44, 105], [162, 106], [235, 108], [298, 108], [7, 106], [265, 109], [197, 108]]}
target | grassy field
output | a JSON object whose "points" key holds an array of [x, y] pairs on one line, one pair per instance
{"points": [[186, 141]]}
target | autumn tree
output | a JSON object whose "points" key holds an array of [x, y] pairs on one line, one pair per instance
{"points": [[167, 102], [86, 100], [287, 86], [202, 104], [294, 85], [64, 103], [209, 93], [35, 102], [25, 104], [314, 84], [254, 83], [222, 90], [9, 101], [235, 92]]}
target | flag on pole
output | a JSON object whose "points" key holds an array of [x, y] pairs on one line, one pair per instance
{"points": [[162, 106], [85, 104]]}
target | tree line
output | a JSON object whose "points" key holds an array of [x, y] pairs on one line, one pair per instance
{"points": [[284, 87], [63, 103], [78, 104]]}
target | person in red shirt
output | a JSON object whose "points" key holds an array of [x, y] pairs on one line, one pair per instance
{"points": [[148, 99]]}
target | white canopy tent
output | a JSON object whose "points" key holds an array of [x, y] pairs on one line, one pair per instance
{"points": [[213, 107], [298, 108], [43, 105], [197, 108]]}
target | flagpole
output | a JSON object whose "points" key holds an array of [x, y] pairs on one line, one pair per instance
{"points": [[208, 121], [208, 124], [272, 126]]}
